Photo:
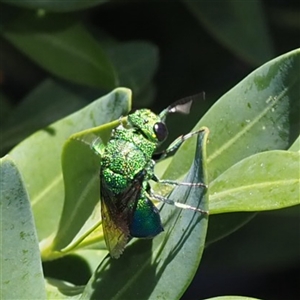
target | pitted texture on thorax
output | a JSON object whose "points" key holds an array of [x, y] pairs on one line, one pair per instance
{"points": [[125, 155]]}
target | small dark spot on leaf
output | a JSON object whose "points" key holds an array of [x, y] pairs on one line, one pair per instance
{"points": [[50, 130], [22, 235]]}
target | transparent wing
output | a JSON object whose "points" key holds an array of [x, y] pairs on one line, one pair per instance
{"points": [[117, 213], [115, 229]]}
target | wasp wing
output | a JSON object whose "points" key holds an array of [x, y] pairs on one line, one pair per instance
{"points": [[115, 229], [117, 212]]}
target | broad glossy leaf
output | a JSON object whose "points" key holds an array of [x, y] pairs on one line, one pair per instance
{"points": [[82, 184], [59, 289], [63, 47], [275, 185], [271, 234], [57, 6], [231, 21], [147, 268], [21, 268], [48, 102], [5, 109], [265, 181], [232, 298], [147, 95], [254, 116], [135, 63], [222, 225], [296, 145], [39, 156], [92, 257]]}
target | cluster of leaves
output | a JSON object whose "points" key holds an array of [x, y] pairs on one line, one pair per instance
{"points": [[65, 48], [252, 155], [250, 142]]}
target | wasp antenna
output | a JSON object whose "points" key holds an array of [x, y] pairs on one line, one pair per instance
{"points": [[183, 108], [184, 105]]}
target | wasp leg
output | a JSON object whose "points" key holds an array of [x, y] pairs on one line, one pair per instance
{"points": [[175, 145], [177, 204], [173, 182], [97, 146]]}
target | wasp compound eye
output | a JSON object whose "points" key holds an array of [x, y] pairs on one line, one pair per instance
{"points": [[161, 131]]}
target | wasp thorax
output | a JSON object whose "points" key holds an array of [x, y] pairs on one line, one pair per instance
{"points": [[148, 124]]}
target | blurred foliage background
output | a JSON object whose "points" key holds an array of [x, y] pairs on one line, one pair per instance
{"points": [[58, 56]]}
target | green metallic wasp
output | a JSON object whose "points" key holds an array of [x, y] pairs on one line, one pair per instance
{"points": [[127, 166]]}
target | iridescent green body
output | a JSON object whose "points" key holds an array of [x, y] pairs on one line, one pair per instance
{"points": [[127, 166], [125, 155]]}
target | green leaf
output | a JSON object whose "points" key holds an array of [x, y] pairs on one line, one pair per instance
{"points": [[261, 244], [232, 298], [5, 109], [296, 145], [265, 181], [147, 267], [135, 63], [57, 6], [82, 184], [222, 225], [232, 21], [252, 117], [21, 267], [38, 157], [286, 17], [92, 257], [63, 47], [58, 289], [48, 102], [146, 97]]}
